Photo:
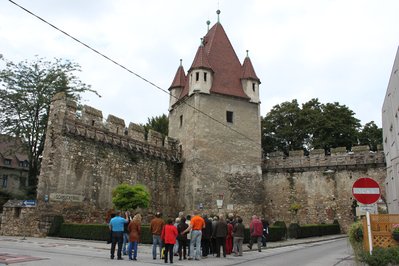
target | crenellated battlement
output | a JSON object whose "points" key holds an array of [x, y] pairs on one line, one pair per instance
{"points": [[89, 123], [359, 157]]}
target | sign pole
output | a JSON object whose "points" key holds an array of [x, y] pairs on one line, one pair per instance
{"points": [[369, 233]]}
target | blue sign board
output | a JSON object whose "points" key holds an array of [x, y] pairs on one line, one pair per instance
{"points": [[29, 203]]}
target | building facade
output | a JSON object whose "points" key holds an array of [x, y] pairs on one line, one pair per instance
{"points": [[390, 129], [14, 165]]}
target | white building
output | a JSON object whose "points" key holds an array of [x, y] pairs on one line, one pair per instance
{"points": [[390, 127]]}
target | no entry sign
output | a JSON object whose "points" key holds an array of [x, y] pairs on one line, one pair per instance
{"points": [[366, 190]]}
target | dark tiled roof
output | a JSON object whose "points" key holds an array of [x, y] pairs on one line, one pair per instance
{"points": [[180, 78], [248, 71], [12, 149]]}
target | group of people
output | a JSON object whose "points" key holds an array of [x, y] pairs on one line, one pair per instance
{"points": [[188, 237]]}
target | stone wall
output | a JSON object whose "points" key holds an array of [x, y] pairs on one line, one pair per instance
{"points": [[19, 220], [321, 185], [84, 159]]}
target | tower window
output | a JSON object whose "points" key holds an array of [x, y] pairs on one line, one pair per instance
{"points": [[205, 76], [229, 117], [5, 181], [181, 120], [196, 76], [253, 86]]}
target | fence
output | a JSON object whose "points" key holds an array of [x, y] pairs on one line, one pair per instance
{"points": [[381, 230]]}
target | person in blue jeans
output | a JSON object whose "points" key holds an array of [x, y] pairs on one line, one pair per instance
{"points": [[156, 227], [116, 225], [126, 234]]}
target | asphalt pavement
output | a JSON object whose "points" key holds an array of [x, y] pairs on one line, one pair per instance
{"points": [[43, 250]]}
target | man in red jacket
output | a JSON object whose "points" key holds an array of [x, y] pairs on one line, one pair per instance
{"points": [[256, 230]]}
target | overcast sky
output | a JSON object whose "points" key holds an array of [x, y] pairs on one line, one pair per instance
{"points": [[335, 50]]}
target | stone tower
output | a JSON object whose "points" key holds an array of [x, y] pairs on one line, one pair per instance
{"points": [[215, 113]]}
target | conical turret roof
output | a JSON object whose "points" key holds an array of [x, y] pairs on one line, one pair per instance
{"points": [[248, 71], [180, 78]]}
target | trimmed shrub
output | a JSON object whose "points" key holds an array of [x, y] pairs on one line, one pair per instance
{"points": [[85, 231], [97, 232], [311, 230], [276, 233], [56, 225]]}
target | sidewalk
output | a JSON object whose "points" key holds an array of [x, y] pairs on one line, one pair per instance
{"points": [[54, 241], [51, 251]]}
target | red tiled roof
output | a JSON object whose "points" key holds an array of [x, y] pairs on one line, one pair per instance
{"points": [[217, 53], [200, 59], [248, 71], [180, 78], [224, 62]]}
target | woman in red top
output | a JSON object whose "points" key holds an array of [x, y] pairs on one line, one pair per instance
{"points": [[168, 236], [229, 238]]}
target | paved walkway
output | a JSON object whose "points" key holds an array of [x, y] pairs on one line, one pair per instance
{"points": [[145, 250]]}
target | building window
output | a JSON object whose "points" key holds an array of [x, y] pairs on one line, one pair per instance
{"points": [[4, 182], [229, 117], [205, 76], [196, 76], [253, 86], [7, 162], [181, 120]]}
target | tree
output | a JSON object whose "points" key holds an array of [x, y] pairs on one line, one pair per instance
{"points": [[158, 123], [282, 128], [337, 127], [128, 197], [370, 135], [26, 90], [322, 126]]}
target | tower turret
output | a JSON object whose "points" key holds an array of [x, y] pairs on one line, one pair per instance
{"points": [[250, 82], [175, 90], [200, 75]]}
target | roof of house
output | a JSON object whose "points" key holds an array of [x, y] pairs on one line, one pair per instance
{"points": [[12, 148], [217, 54]]}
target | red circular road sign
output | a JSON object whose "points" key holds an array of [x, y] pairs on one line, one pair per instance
{"points": [[366, 190]]}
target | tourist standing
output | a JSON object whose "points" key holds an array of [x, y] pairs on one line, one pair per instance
{"points": [[256, 231], [196, 225], [126, 234], [188, 221], [229, 237], [220, 234], [116, 225], [265, 232], [156, 227], [238, 237], [206, 236], [176, 246], [168, 236], [134, 228], [182, 238]]}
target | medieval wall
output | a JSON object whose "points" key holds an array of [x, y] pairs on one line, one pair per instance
{"points": [[85, 159], [320, 185]]}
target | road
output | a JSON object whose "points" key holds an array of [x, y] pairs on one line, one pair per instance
{"points": [[59, 252]]}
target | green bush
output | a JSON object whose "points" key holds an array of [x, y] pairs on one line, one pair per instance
{"points": [[85, 231], [56, 225], [276, 233], [97, 232], [311, 230], [381, 256], [294, 230], [355, 235]]}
